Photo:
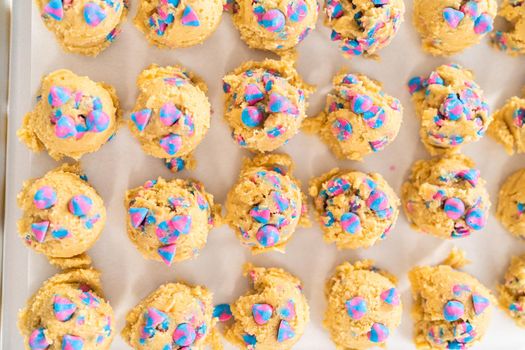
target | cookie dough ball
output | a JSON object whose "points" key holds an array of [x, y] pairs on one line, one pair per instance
{"points": [[448, 27], [511, 41], [86, 27], [265, 104], [271, 316], [354, 209], [266, 204], [358, 119], [451, 107], [171, 115], [274, 25], [169, 221], [172, 24], [451, 309], [508, 127], [363, 306], [175, 316], [68, 312], [73, 116], [363, 27], [512, 291], [511, 204], [446, 197], [63, 215]]}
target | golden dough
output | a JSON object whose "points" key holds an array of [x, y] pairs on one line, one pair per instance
{"points": [[508, 125], [512, 291], [511, 204], [511, 41]]}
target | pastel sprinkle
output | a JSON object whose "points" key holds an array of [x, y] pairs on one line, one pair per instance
{"points": [[171, 143], [454, 208], [351, 223], [356, 308], [464, 333], [285, 331], [80, 205], [184, 334], [89, 299], [453, 310], [273, 20], [169, 114], [390, 296], [167, 253], [38, 340], [378, 333], [137, 216], [141, 118], [175, 164], [94, 14], [223, 312], [63, 308], [334, 9], [54, 9], [518, 117], [65, 127], [483, 24], [480, 303], [97, 121], [189, 17], [72, 342], [58, 96], [39, 230], [268, 235], [475, 219], [249, 339], [453, 17], [252, 116], [60, 233], [262, 313], [45, 197]]}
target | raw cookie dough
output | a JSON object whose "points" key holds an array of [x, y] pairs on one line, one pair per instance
{"points": [[363, 306], [73, 116], [274, 25], [448, 27], [358, 119], [452, 309], [171, 115], [451, 107], [175, 316], [273, 315], [68, 312], [446, 197], [512, 291], [175, 23], [266, 204], [265, 104], [169, 221], [354, 209], [363, 27], [508, 127], [511, 204], [86, 27], [63, 215], [511, 41]]}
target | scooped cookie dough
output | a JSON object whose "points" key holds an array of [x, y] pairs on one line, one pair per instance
{"points": [[175, 23], [68, 312], [512, 291], [363, 27], [63, 215], [171, 115], [273, 315], [266, 204], [452, 309], [169, 221], [363, 306], [354, 209], [265, 104], [446, 197], [86, 27], [448, 27], [73, 116], [451, 107], [511, 41], [508, 127], [175, 316], [358, 119], [274, 25], [511, 204]]}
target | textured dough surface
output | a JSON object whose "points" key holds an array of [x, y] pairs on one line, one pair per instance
{"points": [[447, 27], [174, 316], [512, 291], [511, 41], [170, 220], [508, 125], [451, 309], [446, 197], [363, 306], [359, 118], [511, 204], [265, 104], [451, 107], [63, 215], [266, 204], [363, 27], [354, 209], [178, 23], [73, 116], [274, 25], [68, 312], [271, 316], [171, 115], [86, 27]]}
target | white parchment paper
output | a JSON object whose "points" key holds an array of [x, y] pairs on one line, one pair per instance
{"points": [[121, 164]]}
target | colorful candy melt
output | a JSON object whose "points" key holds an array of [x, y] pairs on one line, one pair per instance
{"points": [[252, 116], [72, 342], [167, 253], [361, 103], [356, 308], [475, 219], [454, 208], [39, 230], [154, 320], [342, 129], [189, 17], [137, 216], [262, 313], [97, 121], [171, 143], [280, 104], [390, 296], [184, 334], [63, 308], [415, 84], [58, 95], [297, 10], [45, 197], [272, 20], [65, 127], [80, 205], [285, 331], [483, 24], [453, 310], [252, 94], [38, 340], [480, 303], [223, 312], [287, 312], [377, 201], [261, 215], [378, 333], [54, 9], [453, 16], [60, 233], [141, 118], [94, 14], [351, 223], [268, 235], [169, 114]]}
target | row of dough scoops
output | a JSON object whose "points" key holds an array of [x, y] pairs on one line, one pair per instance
{"points": [[169, 220]]}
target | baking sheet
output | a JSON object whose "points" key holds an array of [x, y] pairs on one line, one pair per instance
{"points": [[121, 164]]}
